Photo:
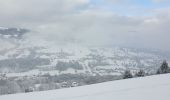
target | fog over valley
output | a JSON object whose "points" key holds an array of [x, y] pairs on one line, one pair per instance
{"points": [[91, 22]]}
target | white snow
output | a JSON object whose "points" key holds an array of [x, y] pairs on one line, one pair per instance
{"points": [[3, 28], [4, 45], [146, 88]]}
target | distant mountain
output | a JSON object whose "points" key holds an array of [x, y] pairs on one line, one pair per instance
{"points": [[12, 32], [29, 59], [103, 61]]}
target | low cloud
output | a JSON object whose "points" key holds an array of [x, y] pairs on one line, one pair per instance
{"points": [[81, 22]]}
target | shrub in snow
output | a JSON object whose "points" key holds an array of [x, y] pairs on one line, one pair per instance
{"points": [[74, 84], [140, 73], [30, 89], [127, 74]]}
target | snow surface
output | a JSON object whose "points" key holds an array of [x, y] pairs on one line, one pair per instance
{"points": [[146, 88]]}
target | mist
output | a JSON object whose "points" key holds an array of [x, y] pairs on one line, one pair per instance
{"points": [[87, 22]]}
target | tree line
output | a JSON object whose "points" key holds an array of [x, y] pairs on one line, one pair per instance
{"points": [[163, 69]]}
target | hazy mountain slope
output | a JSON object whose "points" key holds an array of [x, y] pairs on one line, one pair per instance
{"points": [[12, 32], [24, 55], [78, 60], [146, 88]]}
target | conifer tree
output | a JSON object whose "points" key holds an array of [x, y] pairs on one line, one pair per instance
{"points": [[163, 68]]}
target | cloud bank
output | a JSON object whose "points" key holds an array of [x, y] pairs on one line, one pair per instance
{"points": [[91, 22]]}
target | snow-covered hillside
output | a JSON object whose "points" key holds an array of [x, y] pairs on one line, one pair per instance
{"points": [[30, 56], [103, 61], [146, 88]]}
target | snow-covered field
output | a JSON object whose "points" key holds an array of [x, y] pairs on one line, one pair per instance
{"points": [[146, 88]]}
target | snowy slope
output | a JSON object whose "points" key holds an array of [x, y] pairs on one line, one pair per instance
{"points": [[147, 88]]}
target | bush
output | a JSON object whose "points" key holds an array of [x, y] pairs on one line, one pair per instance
{"points": [[140, 73], [29, 90], [127, 74]]}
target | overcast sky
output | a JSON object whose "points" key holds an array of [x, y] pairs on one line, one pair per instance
{"points": [[134, 23]]}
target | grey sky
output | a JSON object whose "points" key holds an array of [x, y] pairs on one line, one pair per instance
{"points": [[142, 24]]}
